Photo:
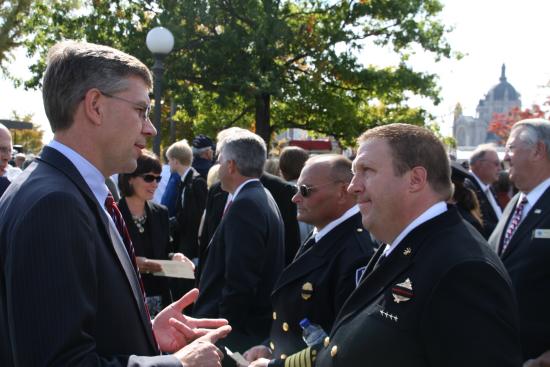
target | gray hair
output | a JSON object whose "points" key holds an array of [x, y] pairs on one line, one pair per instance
{"points": [[76, 67], [248, 151], [532, 131], [479, 153], [226, 133], [198, 151]]}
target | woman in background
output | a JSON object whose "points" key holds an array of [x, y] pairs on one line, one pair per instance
{"points": [[147, 224], [465, 199]]}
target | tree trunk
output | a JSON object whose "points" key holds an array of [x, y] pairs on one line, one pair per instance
{"points": [[263, 127]]}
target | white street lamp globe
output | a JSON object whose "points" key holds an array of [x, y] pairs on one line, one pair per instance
{"points": [[160, 41]]}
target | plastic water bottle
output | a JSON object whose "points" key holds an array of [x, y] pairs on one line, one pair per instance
{"points": [[312, 333]]}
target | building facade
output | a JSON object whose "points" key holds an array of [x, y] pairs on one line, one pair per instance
{"points": [[472, 131]]}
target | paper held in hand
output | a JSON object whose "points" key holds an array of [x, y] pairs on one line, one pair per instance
{"points": [[237, 357], [175, 269]]}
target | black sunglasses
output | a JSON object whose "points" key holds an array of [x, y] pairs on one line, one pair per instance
{"points": [[151, 178], [306, 190]]}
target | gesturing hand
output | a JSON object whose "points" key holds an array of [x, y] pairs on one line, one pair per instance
{"points": [[202, 352], [173, 330]]}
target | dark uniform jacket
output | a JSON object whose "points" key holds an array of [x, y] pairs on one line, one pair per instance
{"points": [[488, 214], [240, 266], [316, 284], [527, 259], [69, 295], [441, 298]]}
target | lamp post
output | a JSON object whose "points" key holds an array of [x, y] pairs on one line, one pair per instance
{"points": [[160, 42]]}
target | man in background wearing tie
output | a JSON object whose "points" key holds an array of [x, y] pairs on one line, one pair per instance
{"points": [[485, 167], [522, 236], [70, 293]]}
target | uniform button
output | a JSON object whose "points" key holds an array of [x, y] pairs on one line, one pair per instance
{"points": [[333, 351], [283, 356], [285, 326], [359, 229], [274, 315], [272, 345], [326, 342]]}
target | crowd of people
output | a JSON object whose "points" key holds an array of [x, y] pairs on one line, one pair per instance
{"points": [[402, 256]]}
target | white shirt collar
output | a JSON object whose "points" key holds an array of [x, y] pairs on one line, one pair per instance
{"points": [[329, 227], [432, 212], [240, 187], [534, 195], [182, 178], [90, 174]]}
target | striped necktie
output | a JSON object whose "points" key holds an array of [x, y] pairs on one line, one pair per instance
{"points": [[513, 225]]}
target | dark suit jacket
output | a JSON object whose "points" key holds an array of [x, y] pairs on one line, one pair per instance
{"points": [[527, 260], [4, 183], [189, 215], [441, 298], [68, 292], [316, 284], [241, 264], [488, 214], [281, 191], [158, 225]]}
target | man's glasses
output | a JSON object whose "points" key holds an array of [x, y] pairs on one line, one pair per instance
{"points": [[306, 190], [144, 110], [151, 178]]}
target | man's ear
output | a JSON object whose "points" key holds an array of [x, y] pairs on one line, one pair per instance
{"points": [[418, 178], [540, 151], [93, 105], [231, 166]]}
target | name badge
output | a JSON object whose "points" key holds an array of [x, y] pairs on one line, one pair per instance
{"points": [[542, 233]]}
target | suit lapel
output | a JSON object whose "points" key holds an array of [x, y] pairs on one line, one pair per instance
{"points": [[110, 234], [529, 223]]}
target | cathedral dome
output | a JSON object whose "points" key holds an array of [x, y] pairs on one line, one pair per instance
{"points": [[503, 91]]}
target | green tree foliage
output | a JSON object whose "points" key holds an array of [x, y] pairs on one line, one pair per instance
{"points": [[12, 14], [269, 64], [30, 140]]}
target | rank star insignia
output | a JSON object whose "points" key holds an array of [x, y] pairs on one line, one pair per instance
{"points": [[402, 292], [407, 251]]}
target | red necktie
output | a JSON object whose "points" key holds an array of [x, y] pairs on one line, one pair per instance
{"points": [[227, 207], [116, 215]]}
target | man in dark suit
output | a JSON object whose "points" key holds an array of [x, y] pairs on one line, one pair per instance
{"points": [[436, 295], [329, 263], [70, 293], [522, 236], [281, 191], [484, 168], [246, 253]]}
